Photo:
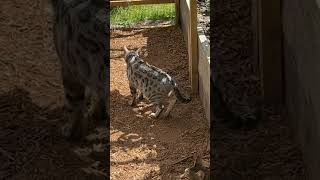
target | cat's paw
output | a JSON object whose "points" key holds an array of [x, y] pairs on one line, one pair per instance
{"points": [[66, 130], [142, 108], [152, 115], [71, 133], [131, 102], [140, 97]]}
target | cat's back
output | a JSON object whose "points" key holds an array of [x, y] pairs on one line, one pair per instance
{"points": [[152, 72], [80, 32], [80, 24]]}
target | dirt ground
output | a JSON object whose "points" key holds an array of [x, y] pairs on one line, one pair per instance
{"points": [[265, 153], [269, 151], [143, 148], [31, 98]]}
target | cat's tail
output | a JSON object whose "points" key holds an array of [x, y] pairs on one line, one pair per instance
{"points": [[180, 96]]}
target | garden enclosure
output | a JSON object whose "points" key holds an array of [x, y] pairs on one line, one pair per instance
{"points": [[197, 44]]}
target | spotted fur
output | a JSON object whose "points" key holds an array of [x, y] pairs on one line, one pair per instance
{"points": [[153, 84], [80, 37]]}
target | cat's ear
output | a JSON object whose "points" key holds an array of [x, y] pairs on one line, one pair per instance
{"points": [[126, 51], [138, 51]]}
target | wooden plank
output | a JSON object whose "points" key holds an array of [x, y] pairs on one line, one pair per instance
{"points": [[193, 47], [177, 5], [270, 50], [188, 19], [125, 3], [184, 20], [254, 18], [188, 28]]}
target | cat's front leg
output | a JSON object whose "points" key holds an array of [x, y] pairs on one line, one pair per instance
{"points": [[142, 108], [133, 92], [139, 97], [75, 106], [76, 127], [101, 103]]}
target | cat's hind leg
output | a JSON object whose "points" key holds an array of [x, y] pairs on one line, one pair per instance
{"points": [[156, 114], [139, 97], [101, 104], [172, 102], [156, 99]]}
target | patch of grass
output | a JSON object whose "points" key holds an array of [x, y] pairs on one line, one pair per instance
{"points": [[128, 16]]}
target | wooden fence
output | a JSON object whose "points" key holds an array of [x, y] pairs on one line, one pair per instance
{"points": [[186, 18], [125, 3], [268, 48]]}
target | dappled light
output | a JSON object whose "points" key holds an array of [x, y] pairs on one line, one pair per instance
{"points": [[143, 147]]}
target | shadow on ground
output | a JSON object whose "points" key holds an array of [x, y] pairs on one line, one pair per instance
{"points": [[31, 147], [145, 148]]}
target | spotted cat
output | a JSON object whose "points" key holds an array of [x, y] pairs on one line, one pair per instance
{"points": [[80, 36], [149, 82]]}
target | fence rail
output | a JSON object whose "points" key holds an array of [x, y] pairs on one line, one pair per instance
{"points": [[124, 3]]}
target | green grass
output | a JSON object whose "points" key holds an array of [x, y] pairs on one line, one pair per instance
{"points": [[128, 16]]}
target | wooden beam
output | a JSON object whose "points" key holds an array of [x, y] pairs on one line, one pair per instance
{"points": [[177, 5], [124, 3], [193, 43], [270, 50], [255, 33]]}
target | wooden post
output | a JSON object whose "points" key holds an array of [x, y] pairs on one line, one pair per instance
{"points": [[270, 50], [177, 5], [255, 27], [193, 46]]}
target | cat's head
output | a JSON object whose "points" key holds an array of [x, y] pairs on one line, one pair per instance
{"points": [[129, 54]]}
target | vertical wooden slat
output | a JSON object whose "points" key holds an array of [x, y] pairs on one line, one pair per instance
{"points": [[270, 51], [193, 46], [255, 27], [177, 5]]}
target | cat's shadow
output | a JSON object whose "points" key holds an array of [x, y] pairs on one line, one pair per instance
{"points": [[131, 120]]}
